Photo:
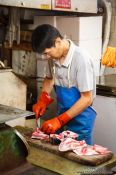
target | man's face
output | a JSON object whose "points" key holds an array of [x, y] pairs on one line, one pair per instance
{"points": [[54, 52]]}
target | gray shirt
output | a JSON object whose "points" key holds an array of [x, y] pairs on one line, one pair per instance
{"points": [[76, 71]]}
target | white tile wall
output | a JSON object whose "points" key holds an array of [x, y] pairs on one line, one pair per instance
{"points": [[93, 46], [87, 32], [80, 28]]}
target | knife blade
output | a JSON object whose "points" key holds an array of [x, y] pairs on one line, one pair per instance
{"points": [[38, 122]]}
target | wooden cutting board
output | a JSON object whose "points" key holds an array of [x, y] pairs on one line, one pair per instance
{"points": [[86, 160]]}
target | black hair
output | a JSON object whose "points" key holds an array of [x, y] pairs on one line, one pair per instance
{"points": [[43, 37]]}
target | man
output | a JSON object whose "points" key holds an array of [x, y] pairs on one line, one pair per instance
{"points": [[73, 79]]}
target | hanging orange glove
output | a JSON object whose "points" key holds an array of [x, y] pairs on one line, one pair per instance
{"points": [[52, 125], [109, 57], [43, 101]]}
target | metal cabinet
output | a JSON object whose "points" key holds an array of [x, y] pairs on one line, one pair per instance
{"points": [[37, 4], [86, 6]]}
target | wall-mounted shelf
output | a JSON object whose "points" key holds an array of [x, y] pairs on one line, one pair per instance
{"points": [[22, 46]]}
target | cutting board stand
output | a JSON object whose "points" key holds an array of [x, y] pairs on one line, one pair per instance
{"points": [[48, 156]]}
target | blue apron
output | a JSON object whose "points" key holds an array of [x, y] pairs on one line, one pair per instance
{"points": [[81, 124]]}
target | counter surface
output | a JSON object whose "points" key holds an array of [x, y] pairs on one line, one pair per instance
{"points": [[106, 85]]}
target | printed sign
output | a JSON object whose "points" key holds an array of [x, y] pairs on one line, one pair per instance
{"points": [[63, 4]]}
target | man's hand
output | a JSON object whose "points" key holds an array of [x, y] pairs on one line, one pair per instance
{"points": [[52, 125], [43, 101]]}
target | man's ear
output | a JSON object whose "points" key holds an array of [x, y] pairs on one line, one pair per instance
{"points": [[58, 41]]}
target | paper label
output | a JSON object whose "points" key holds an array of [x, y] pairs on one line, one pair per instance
{"points": [[45, 6]]}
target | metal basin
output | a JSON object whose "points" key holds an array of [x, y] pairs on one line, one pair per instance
{"points": [[13, 148]]}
